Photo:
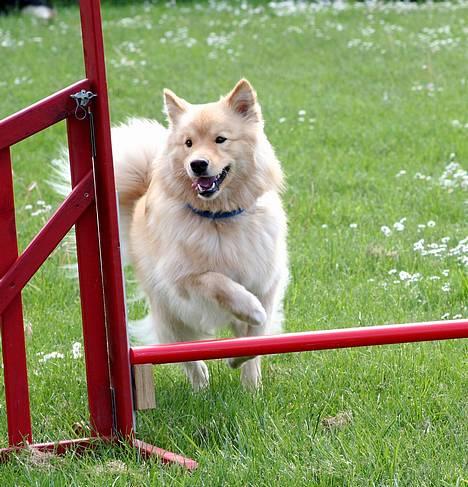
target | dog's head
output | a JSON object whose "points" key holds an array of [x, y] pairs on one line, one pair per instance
{"points": [[218, 154]]}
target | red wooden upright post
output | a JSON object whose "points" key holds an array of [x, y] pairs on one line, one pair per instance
{"points": [[91, 289], [108, 221], [11, 320]]}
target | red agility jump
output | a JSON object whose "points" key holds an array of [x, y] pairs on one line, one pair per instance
{"points": [[91, 208]]}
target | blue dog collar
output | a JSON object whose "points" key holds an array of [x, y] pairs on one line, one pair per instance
{"points": [[218, 215]]}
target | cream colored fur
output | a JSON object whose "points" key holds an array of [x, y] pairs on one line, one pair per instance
{"points": [[199, 274]]}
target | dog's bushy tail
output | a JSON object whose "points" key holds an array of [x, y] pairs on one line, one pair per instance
{"points": [[135, 145]]}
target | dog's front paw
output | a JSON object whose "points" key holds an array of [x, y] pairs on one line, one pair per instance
{"points": [[251, 311]]}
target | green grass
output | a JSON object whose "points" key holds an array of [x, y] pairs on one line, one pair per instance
{"points": [[381, 88]]}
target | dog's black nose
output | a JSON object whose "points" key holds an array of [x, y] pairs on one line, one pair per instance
{"points": [[199, 166]]}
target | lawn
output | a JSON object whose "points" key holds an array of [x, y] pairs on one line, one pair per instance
{"points": [[367, 109]]}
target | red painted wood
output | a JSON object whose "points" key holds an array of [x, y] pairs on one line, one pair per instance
{"points": [[11, 319], [91, 289], [45, 241], [299, 342], [56, 447], [80, 445], [39, 116], [108, 222], [165, 456]]}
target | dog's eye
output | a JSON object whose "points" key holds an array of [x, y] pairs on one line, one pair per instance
{"points": [[220, 140], [188, 142]]}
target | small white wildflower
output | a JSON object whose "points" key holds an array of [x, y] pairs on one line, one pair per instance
{"points": [[28, 207], [431, 223], [434, 278], [51, 355], [398, 226], [301, 113], [324, 225], [392, 271], [76, 350], [445, 272], [401, 173], [445, 316], [404, 276], [446, 287], [386, 230], [457, 317], [419, 245], [353, 225], [282, 120]]}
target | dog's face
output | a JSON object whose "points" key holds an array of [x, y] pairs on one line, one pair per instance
{"points": [[212, 147]]}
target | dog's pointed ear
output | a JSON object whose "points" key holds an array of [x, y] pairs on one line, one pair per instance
{"points": [[174, 106], [243, 100]]}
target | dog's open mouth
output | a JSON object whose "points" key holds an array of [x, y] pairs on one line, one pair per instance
{"points": [[208, 186]]}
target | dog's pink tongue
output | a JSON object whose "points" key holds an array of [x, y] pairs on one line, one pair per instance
{"points": [[204, 183]]}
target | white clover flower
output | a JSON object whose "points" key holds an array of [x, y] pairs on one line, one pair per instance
{"points": [[431, 223], [76, 350], [386, 230], [419, 245], [51, 355], [404, 276], [399, 226]]}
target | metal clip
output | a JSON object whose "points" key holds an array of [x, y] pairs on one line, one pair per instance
{"points": [[82, 99]]}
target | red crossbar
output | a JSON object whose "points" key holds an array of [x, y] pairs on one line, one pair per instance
{"points": [[298, 342], [46, 240], [39, 116]]}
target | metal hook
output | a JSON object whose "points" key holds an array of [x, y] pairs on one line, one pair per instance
{"points": [[82, 99]]}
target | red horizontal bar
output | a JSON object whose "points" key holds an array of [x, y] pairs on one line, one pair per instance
{"points": [[148, 451], [56, 447], [81, 444], [46, 240], [40, 115], [298, 342]]}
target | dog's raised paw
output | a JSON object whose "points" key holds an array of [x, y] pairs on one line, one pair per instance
{"points": [[251, 311]]}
